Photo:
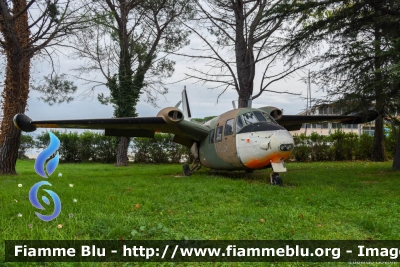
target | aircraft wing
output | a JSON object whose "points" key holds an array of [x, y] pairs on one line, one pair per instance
{"points": [[168, 120], [294, 122]]}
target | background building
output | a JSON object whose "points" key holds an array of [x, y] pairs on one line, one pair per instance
{"points": [[329, 127]]}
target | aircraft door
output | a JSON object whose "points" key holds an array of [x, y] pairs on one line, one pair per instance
{"points": [[225, 141]]}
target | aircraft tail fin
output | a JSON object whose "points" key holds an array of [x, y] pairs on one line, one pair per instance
{"points": [[185, 105]]}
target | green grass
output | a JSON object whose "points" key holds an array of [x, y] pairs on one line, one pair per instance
{"points": [[320, 201]]}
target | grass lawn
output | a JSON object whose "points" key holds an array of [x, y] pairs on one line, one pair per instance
{"points": [[322, 201]]}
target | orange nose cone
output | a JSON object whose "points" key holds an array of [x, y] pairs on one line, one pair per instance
{"points": [[248, 140]]}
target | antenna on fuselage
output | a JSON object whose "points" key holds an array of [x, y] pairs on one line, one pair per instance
{"points": [[249, 102]]}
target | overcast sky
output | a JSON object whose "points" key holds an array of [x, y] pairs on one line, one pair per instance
{"points": [[203, 101]]}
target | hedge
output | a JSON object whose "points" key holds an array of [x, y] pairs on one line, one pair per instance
{"points": [[95, 147], [159, 149], [339, 146], [84, 147]]}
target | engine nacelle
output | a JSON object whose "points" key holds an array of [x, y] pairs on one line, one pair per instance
{"points": [[275, 112], [171, 115]]}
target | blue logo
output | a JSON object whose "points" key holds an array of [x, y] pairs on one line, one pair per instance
{"points": [[50, 168], [35, 202], [45, 154]]}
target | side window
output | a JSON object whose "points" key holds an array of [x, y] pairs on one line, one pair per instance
{"points": [[212, 136], [218, 134], [239, 123], [229, 127]]}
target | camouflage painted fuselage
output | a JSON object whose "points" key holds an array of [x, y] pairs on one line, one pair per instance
{"points": [[252, 146]]}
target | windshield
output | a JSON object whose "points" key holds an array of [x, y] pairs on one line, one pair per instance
{"points": [[249, 118], [252, 117], [269, 118]]}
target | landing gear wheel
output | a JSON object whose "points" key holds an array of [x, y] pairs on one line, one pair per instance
{"points": [[276, 179], [186, 170]]}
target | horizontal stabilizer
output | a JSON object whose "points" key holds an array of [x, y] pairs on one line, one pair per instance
{"points": [[294, 122]]}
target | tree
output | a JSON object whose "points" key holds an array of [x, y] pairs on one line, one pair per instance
{"points": [[359, 38], [27, 30], [203, 120], [55, 89], [128, 42], [26, 142], [396, 158], [243, 36]]}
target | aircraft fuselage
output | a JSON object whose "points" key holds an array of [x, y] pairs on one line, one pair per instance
{"points": [[245, 139]]}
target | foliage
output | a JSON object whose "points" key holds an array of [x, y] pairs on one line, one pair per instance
{"points": [[320, 147], [55, 89], [392, 135], [28, 29], [203, 120], [364, 149], [26, 142], [302, 148], [87, 146], [343, 144], [338, 146], [129, 44], [159, 149], [360, 55], [96, 147]]}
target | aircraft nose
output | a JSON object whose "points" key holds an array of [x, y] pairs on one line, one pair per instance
{"points": [[260, 149], [280, 141], [283, 141], [265, 145]]}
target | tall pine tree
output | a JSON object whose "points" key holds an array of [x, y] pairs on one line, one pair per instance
{"points": [[359, 40]]}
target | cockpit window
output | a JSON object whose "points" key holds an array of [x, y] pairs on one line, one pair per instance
{"points": [[249, 118], [252, 117], [259, 116], [239, 123], [269, 118]]}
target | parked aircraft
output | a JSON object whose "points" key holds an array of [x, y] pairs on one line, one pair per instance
{"points": [[240, 139]]}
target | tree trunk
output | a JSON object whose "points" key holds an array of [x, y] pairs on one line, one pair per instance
{"points": [[244, 54], [378, 152], [396, 159], [16, 87], [122, 154], [15, 96], [243, 101]]}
